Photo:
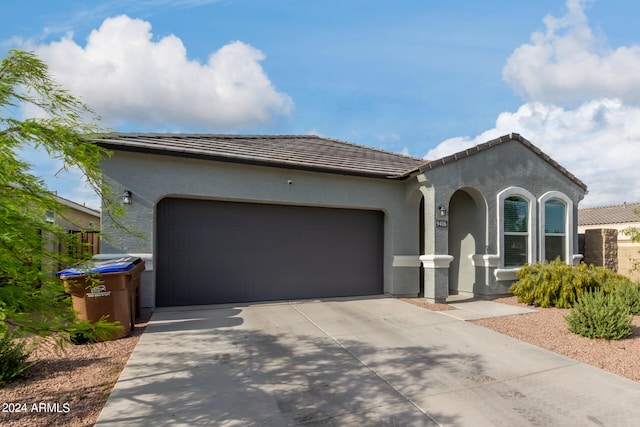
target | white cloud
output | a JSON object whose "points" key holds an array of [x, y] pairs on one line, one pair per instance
{"points": [[599, 142], [568, 64], [127, 76], [583, 107]]}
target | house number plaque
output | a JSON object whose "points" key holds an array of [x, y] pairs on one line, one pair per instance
{"points": [[442, 223]]}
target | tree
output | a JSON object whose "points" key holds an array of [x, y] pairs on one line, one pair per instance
{"points": [[32, 300]]}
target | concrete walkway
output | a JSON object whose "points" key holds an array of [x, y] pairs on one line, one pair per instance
{"points": [[366, 361], [474, 309]]}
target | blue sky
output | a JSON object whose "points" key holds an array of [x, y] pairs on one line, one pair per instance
{"points": [[416, 77]]}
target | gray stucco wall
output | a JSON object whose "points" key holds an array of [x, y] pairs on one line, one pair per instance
{"points": [[480, 178], [484, 175], [152, 177]]}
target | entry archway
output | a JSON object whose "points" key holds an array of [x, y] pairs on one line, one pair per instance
{"points": [[467, 236]]}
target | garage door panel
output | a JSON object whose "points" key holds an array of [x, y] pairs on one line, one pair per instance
{"points": [[213, 252]]}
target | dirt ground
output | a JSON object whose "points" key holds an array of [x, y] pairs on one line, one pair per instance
{"points": [[67, 387]]}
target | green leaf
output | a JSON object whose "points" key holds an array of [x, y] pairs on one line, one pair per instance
{"points": [[32, 299]]}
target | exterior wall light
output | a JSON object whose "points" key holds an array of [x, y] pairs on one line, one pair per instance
{"points": [[443, 210], [127, 197]]}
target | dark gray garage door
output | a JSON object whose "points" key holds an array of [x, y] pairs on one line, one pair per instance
{"points": [[211, 252]]}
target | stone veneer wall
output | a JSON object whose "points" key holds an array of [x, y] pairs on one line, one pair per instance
{"points": [[601, 248]]}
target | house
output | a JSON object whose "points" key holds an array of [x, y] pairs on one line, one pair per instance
{"points": [[605, 243], [77, 219], [72, 216], [236, 218]]}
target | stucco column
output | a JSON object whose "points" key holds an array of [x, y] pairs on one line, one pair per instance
{"points": [[436, 277], [435, 260]]}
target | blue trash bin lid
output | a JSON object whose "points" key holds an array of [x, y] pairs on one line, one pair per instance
{"points": [[117, 265]]}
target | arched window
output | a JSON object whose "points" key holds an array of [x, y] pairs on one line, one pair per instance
{"points": [[517, 219], [516, 231], [556, 224]]}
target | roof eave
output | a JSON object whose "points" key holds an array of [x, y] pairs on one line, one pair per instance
{"points": [[249, 161], [432, 164]]}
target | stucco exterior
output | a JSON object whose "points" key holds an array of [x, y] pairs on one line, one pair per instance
{"points": [[74, 218], [480, 179], [151, 178], [77, 217], [442, 231]]}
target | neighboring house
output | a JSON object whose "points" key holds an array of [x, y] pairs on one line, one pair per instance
{"points": [[73, 216], [604, 240], [231, 218], [76, 219]]}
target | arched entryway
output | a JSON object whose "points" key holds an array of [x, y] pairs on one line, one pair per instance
{"points": [[467, 231]]}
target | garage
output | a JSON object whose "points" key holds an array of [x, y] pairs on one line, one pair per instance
{"points": [[211, 252]]}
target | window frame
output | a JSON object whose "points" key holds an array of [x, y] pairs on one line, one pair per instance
{"points": [[531, 225], [567, 251], [49, 217]]}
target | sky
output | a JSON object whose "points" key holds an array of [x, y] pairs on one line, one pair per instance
{"points": [[422, 78]]}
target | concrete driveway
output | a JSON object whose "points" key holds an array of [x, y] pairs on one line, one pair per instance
{"points": [[369, 361]]}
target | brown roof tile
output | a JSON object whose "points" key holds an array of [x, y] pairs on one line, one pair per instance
{"points": [[618, 214], [306, 152]]}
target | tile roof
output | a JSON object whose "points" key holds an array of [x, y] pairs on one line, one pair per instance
{"points": [[619, 214], [490, 144], [308, 152]]}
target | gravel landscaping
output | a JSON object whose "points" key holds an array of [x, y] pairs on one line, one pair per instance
{"points": [[70, 388]]}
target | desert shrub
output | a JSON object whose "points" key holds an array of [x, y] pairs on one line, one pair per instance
{"points": [[629, 295], [556, 284], [13, 358], [597, 314]]}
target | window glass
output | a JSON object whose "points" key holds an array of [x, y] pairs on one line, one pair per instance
{"points": [[516, 227], [516, 215], [554, 216], [553, 247], [554, 229], [515, 250]]}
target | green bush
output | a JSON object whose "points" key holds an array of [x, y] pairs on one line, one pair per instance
{"points": [[556, 284], [597, 314], [13, 358], [629, 295]]}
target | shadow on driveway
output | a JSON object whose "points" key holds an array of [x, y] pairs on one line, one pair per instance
{"points": [[196, 368], [377, 362]]}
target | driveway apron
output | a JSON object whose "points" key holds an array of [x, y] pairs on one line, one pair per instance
{"points": [[363, 361]]}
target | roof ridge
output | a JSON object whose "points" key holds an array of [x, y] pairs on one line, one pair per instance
{"points": [[513, 136], [323, 153], [620, 205], [258, 136], [309, 152]]}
